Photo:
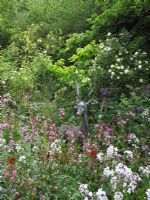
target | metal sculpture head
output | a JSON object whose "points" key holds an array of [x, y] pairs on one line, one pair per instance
{"points": [[81, 108]]}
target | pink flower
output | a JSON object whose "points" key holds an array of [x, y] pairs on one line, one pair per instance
{"points": [[14, 172], [37, 118], [6, 175], [28, 138], [62, 113]]}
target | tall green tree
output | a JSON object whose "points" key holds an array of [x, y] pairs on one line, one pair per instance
{"points": [[8, 13], [68, 15]]}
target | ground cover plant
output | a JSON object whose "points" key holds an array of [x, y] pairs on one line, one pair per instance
{"points": [[92, 53]]}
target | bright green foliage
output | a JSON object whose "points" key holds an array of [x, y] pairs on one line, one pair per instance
{"points": [[83, 57]]}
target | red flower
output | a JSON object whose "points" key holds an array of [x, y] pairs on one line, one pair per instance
{"points": [[11, 160], [93, 153]]}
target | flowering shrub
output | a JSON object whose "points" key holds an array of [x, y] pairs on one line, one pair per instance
{"points": [[115, 60]]}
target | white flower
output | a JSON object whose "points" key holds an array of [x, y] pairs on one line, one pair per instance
{"points": [[22, 159], [101, 195], [112, 73], [132, 138], [129, 154], [136, 53], [126, 71], [101, 46], [148, 194], [141, 80], [139, 62], [118, 77], [126, 175], [34, 148], [118, 60], [100, 116], [100, 157], [144, 53], [112, 66], [90, 194], [109, 70], [135, 146], [107, 172], [112, 151], [145, 113], [1, 189], [123, 170], [118, 67], [129, 190], [108, 49], [145, 171], [109, 34], [84, 190], [122, 67], [118, 196], [56, 146], [3, 82], [2, 142], [140, 67], [114, 180], [18, 147]]}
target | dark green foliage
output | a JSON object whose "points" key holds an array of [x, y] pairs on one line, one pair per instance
{"points": [[131, 14]]}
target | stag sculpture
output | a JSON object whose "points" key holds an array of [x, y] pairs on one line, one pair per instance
{"points": [[82, 110]]}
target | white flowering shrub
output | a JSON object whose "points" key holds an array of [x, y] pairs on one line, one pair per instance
{"points": [[117, 62]]}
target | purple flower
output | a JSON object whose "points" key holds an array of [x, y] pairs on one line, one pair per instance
{"points": [[133, 109], [37, 118], [107, 91], [140, 109], [13, 190], [145, 148], [24, 129], [28, 138], [3, 127], [42, 197]]}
